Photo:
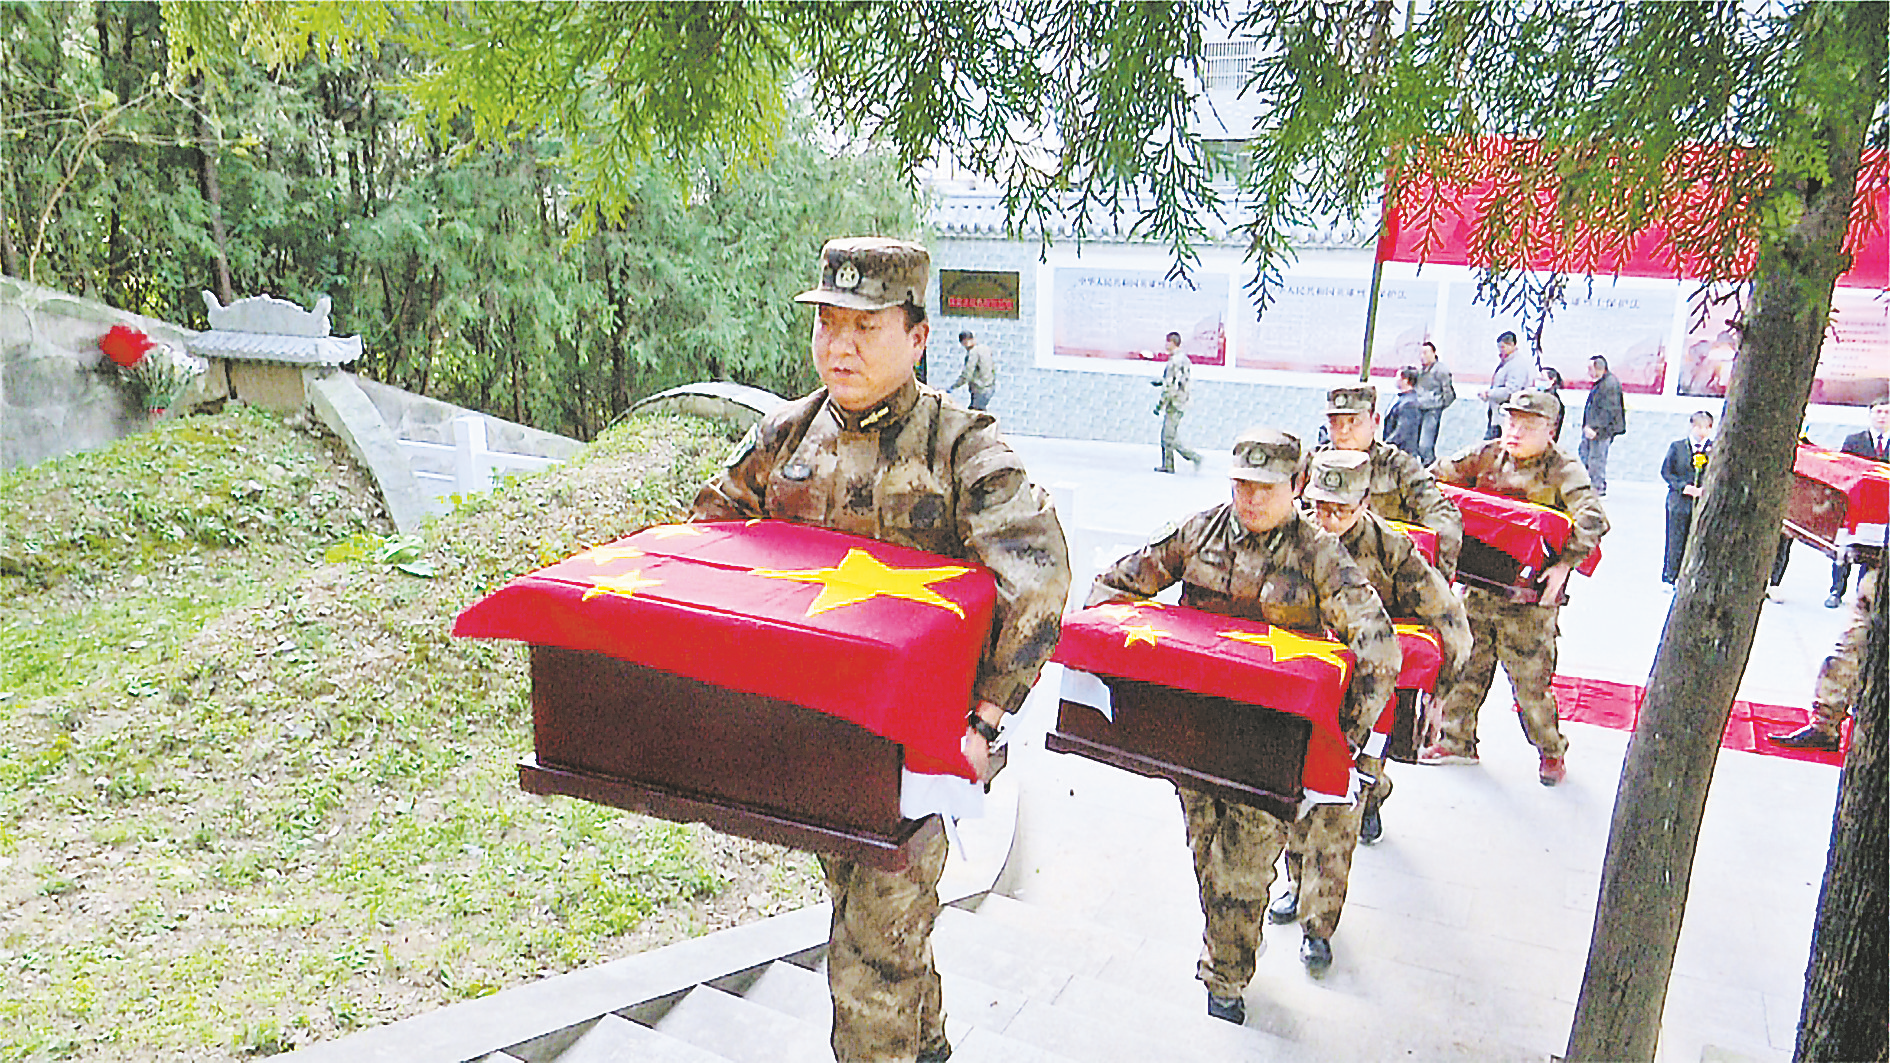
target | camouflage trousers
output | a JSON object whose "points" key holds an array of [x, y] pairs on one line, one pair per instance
{"points": [[1235, 847], [1521, 637], [1841, 675], [1319, 848], [1171, 440], [887, 1003]]}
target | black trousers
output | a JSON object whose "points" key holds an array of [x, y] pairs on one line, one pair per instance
{"points": [[1679, 523]]}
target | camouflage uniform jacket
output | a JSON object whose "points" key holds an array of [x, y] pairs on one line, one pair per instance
{"points": [[1401, 489], [1175, 376], [1294, 576], [1551, 479], [922, 472], [1408, 585]]}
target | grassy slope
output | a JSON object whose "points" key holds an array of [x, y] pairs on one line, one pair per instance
{"points": [[250, 799]]}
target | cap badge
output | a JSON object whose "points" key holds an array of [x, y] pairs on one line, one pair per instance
{"points": [[1332, 479], [847, 277]]}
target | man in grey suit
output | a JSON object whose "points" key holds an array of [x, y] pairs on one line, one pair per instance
{"points": [[1514, 373]]}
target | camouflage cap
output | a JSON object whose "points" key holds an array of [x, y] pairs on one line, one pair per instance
{"points": [[1540, 403], [1341, 476], [1362, 398], [871, 273], [1265, 455]]}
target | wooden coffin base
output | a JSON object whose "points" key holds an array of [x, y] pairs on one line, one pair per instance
{"points": [[1490, 569], [886, 852], [1407, 728], [1238, 752], [632, 737]]}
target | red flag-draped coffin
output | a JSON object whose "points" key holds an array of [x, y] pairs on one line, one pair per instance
{"points": [[886, 637], [1243, 661], [1508, 542], [1401, 722], [1863, 483]]}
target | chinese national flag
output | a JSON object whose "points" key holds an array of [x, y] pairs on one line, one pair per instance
{"points": [[878, 634], [1532, 534], [1243, 660]]}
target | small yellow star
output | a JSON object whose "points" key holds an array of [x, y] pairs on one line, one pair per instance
{"points": [[1141, 633], [1121, 611], [670, 531], [1287, 645], [623, 585], [860, 576], [604, 555]]}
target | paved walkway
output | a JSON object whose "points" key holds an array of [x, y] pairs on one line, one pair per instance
{"points": [[1467, 928]]}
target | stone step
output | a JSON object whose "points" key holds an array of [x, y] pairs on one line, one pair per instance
{"points": [[802, 994], [796, 992], [744, 1032], [499, 1057], [1187, 1023], [982, 1045], [618, 1040], [1054, 923], [986, 951]]}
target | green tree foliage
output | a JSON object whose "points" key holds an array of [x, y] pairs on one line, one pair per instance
{"points": [[474, 270]]}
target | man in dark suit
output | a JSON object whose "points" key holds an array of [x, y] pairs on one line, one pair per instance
{"points": [[1872, 443], [1604, 416], [1684, 469]]}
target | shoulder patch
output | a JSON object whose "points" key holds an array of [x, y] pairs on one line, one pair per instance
{"points": [[743, 447], [1165, 532]]}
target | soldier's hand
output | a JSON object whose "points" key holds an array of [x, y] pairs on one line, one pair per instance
{"points": [[973, 745], [1554, 580]]}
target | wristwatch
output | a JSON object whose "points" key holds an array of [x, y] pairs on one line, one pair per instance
{"points": [[985, 730]]}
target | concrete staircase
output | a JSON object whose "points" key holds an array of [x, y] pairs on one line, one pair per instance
{"points": [[1023, 984]]}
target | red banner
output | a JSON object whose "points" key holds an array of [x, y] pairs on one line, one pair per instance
{"points": [[1534, 535], [1223, 656], [878, 634], [1435, 223]]}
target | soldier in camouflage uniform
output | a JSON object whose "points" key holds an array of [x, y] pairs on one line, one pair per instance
{"points": [[1522, 463], [1319, 845], [1173, 403], [1258, 557], [1840, 677], [1401, 488], [874, 453]]}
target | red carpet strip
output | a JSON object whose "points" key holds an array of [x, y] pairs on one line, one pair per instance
{"points": [[1618, 705]]}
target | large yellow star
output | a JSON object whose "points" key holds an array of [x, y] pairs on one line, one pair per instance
{"points": [[1140, 633], [670, 531], [623, 585], [604, 555], [1286, 645], [860, 576]]}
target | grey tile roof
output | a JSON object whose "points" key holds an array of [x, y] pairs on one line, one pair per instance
{"points": [[963, 209], [264, 347]]}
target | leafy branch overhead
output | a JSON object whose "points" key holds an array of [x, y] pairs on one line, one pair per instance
{"points": [[1686, 117]]}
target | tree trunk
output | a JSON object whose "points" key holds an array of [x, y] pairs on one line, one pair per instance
{"points": [[1708, 638], [212, 190], [1846, 1013], [9, 252]]}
